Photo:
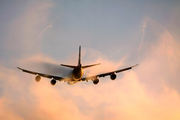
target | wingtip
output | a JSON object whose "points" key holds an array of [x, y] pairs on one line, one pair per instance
{"points": [[135, 65], [19, 68]]}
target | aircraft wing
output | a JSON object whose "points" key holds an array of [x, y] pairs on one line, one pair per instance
{"points": [[106, 74], [42, 74]]}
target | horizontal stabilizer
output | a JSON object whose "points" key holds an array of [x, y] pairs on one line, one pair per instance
{"points": [[70, 66], [90, 65]]}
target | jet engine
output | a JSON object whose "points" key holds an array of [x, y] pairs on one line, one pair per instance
{"points": [[113, 76], [53, 82], [96, 81], [38, 78]]}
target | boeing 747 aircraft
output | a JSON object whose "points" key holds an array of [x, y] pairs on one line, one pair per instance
{"points": [[76, 74]]}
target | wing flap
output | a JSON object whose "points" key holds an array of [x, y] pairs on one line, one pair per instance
{"points": [[125, 69], [42, 74], [108, 73]]}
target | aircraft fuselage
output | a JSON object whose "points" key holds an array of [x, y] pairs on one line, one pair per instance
{"points": [[77, 73]]}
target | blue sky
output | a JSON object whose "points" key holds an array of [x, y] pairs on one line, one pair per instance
{"points": [[115, 33], [102, 24]]}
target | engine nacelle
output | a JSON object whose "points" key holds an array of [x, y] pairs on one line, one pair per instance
{"points": [[38, 78], [53, 82], [96, 81], [113, 76]]}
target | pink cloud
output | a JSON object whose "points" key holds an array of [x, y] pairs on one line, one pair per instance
{"points": [[142, 93]]}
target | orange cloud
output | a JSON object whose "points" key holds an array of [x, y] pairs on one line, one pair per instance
{"points": [[145, 92]]}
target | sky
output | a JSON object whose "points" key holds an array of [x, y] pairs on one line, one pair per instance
{"points": [[39, 35]]}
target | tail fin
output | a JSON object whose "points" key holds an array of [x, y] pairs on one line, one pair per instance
{"points": [[79, 59], [79, 62]]}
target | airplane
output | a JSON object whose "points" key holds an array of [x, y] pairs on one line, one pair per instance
{"points": [[76, 74]]}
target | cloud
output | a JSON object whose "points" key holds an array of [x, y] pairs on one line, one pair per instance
{"points": [[145, 92], [134, 96], [149, 91], [162, 56]]}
